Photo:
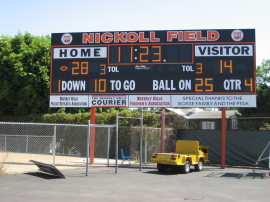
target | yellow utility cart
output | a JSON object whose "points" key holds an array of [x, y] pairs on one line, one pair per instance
{"points": [[187, 153]]}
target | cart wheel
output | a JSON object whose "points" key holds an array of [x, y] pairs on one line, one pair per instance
{"points": [[199, 166], [185, 168]]}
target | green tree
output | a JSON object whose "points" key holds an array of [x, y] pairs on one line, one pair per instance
{"points": [[263, 73], [24, 74]]}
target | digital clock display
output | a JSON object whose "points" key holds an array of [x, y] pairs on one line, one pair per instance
{"points": [[181, 62], [150, 54]]}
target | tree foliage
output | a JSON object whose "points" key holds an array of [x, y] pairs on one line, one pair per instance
{"points": [[24, 74], [266, 126], [149, 119], [263, 73]]}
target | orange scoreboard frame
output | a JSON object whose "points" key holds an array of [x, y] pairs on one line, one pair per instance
{"points": [[175, 62]]}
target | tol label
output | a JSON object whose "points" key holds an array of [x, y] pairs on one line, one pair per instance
{"points": [[187, 68], [113, 69]]}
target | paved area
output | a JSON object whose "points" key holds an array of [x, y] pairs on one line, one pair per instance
{"points": [[129, 184]]}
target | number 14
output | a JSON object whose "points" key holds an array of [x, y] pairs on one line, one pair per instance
{"points": [[225, 64]]}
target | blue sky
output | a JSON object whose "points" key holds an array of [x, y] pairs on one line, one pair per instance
{"points": [[42, 17]]}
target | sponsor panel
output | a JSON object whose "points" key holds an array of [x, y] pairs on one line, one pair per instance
{"points": [[149, 101], [214, 101], [69, 101], [108, 101]]}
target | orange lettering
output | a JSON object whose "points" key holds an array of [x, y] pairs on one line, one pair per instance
{"points": [[153, 37], [88, 38], [119, 37], [171, 35], [199, 36], [142, 39], [132, 37], [212, 35], [190, 35], [107, 38], [180, 36], [97, 37]]}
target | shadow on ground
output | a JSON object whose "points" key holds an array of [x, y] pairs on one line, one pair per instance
{"points": [[43, 175], [246, 175]]}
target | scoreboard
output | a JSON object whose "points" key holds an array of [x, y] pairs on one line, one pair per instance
{"points": [[175, 68]]}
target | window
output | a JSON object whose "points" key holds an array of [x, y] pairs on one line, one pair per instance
{"points": [[234, 123], [210, 125]]}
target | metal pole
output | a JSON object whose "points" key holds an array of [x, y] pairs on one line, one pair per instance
{"points": [[26, 149], [223, 138], [259, 159], [163, 146], [116, 145], [145, 149], [5, 143], [54, 144], [87, 147], [141, 140], [93, 136], [108, 148], [145, 141]]}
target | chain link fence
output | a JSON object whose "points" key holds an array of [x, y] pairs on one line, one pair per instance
{"points": [[65, 145], [57, 144], [129, 141]]}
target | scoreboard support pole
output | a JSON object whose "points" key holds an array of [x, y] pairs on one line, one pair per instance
{"points": [[163, 132], [223, 138], [93, 135]]}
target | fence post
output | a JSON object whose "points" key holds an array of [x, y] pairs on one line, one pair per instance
{"points": [[116, 145], [87, 147], [54, 144], [108, 148], [141, 140], [5, 143], [26, 146], [145, 147], [223, 138], [93, 136], [163, 135]]}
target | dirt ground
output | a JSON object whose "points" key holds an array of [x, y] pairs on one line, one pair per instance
{"points": [[13, 163]]}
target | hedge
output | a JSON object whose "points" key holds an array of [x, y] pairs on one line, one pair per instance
{"points": [[149, 119]]}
